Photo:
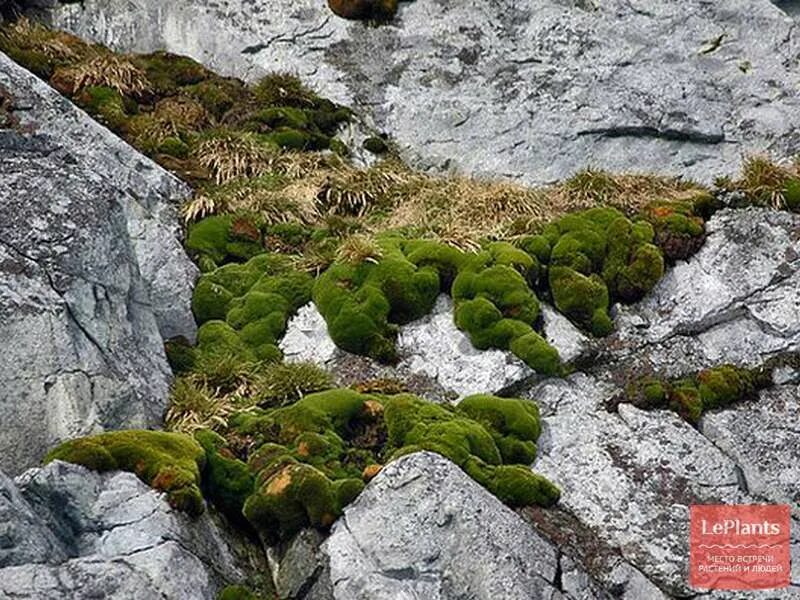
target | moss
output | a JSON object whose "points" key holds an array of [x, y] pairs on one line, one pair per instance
{"points": [[517, 486], [791, 194], [217, 95], [237, 592], [174, 146], [293, 139], [284, 90], [169, 462], [227, 481], [514, 424], [224, 238], [363, 303], [708, 389], [106, 104], [584, 300], [679, 232], [376, 145], [180, 355], [243, 308], [168, 72]]}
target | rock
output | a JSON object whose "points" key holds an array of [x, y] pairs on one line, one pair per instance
{"points": [[92, 276], [307, 339], [24, 537], [424, 529], [563, 335], [681, 88], [737, 300], [763, 438], [630, 477], [122, 541], [435, 347]]}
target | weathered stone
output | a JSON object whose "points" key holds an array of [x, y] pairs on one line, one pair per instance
{"points": [[435, 347], [424, 529], [530, 90], [92, 276], [122, 541], [737, 300], [307, 339], [763, 438], [630, 477]]}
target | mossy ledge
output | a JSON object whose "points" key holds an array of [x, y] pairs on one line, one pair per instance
{"points": [[279, 470], [707, 389]]}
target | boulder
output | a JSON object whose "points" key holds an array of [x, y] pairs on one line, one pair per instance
{"points": [[529, 90], [423, 529], [92, 276], [111, 536]]}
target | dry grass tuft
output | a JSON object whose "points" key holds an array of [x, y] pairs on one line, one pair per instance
{"points": [[29, 35], [765, 182], [103, 69], [264, 196], [234, 155], [358, 249], [348, 191], [193, 406]]}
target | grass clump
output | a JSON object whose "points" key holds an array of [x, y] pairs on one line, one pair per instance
{"points": [[764, 182], [168, 462]]}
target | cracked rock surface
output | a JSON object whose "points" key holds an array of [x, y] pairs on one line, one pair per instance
{"points": [[529, 90], [109, 536], [92, 276], [423, 529]]}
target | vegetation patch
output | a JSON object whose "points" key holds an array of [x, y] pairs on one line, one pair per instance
{"points": [[169, 462], [708, 389]]}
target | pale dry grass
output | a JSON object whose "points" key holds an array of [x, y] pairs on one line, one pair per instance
{"points": [[232, 156], [764, 181], [359, 248], [103, 69], [58, 45]]}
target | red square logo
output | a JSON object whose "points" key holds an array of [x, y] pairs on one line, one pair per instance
{"points": [[739, 547]]}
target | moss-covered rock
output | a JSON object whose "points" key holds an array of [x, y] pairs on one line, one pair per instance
{"points": [[227, 481], [708, 389], [169, 462], [363, 303], [679, 231]]}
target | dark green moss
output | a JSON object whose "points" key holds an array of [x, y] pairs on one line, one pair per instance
{"points": [[376, 145], [227, 481], [708, 389], [169, 462]]}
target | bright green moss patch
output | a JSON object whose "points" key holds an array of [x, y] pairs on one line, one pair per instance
{"points": [[169, 462], [311, 458], [243, 308]]}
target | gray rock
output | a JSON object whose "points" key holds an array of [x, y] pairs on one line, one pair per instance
{"points": [[423, 529], [122, 541], [737, 300], [306, 338], [528, 90], [630, 477], [24, 537], [92, 276], [763, 438], [435, 347]]}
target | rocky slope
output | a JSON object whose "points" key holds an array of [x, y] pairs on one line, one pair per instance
{"points": [[94, 278], [531, 90], [93, 275], [69, 532]]}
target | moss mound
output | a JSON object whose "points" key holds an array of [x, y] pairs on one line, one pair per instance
{"points": [[592, 259], [169, 462], [311, 458], [242, 309]]}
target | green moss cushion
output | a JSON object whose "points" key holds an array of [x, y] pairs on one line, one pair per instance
{"points": [[169, 462]]}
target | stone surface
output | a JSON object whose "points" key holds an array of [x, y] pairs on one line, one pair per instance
{"points": [[92, 276], [629, 477], [529, 90], [118, 539], [435, 347], [737, 300], [763, 438], [423, 529]]}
